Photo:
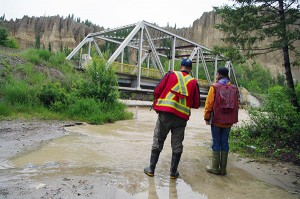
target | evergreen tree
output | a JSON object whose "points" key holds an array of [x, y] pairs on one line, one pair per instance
{"points": [[88, 23], [6, 41], [38, 41], [3, 36], [2, 18], [61, 47], [49, 47], [249, 22]]}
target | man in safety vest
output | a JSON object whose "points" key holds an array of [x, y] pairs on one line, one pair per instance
{"points": [[174, 97]]}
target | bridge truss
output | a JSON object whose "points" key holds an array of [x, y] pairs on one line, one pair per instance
{"points": [[150, 47]]}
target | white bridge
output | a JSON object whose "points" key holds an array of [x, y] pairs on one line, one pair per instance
{"points": [[142, 53]]}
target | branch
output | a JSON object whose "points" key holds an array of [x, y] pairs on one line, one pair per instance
{"points": [[290, 4], [271, 49], [294, 50], [256, 52], [266, 5]]}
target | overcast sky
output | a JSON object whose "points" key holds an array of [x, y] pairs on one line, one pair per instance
{"points": [[114, 13]]}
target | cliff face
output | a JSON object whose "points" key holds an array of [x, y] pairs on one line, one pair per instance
{"points": [[54, 31], [204, 33], [203, 30], [59, 33]]}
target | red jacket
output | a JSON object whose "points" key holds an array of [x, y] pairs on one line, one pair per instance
{"points": [[177, 97]]}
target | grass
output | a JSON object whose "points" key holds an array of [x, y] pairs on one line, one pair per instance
{"points": [[46, 86]]}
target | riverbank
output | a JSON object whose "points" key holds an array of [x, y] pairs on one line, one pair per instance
{"points": [[19, 138]]}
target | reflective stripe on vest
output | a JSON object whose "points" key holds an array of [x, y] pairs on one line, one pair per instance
{"points": [[181, 88]]}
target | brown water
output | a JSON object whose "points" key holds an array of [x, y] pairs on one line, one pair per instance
{"points": [[111, 157]]}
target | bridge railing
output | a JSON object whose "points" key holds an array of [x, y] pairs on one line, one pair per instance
{"points": [[146, 72], [153, 73], [133, 69], [124, 68], [203, 82]]}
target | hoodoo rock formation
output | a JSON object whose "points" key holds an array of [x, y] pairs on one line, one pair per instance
{"points": [[59, 33]]}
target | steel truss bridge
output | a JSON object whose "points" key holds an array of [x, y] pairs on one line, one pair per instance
{"points": [[144, 52]]}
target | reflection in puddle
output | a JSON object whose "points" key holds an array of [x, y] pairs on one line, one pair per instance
{"points": [[113, 157], [174, 189]]}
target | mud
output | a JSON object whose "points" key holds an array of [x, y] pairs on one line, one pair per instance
{"points": [[53, 159]]}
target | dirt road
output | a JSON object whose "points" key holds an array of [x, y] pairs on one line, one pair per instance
{"points": [[53, 159]]}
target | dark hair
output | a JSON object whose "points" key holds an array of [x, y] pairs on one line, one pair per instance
{"points": [[223, 71]]}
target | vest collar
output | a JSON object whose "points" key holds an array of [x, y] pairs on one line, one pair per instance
{"points": [[184, 71]]}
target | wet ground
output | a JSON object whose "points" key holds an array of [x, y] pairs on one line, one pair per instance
{"points": [[107, 161]]}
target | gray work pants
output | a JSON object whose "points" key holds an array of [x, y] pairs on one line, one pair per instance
{"points": [[166, 122]]}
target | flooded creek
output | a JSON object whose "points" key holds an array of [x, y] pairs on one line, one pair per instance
{"points": [[107, 161]]}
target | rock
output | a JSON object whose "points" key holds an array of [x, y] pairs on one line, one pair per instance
{"points": [[56, 31], [246, 99]]}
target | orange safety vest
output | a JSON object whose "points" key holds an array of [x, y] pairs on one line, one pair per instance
{"points": [[176, 97]]}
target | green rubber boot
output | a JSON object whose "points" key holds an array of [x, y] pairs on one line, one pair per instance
{"points": [[215, 163], [153, 160], [223, 165]]}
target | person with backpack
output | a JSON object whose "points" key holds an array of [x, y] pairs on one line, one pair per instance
{"points": [[221, 112], [174, 97]]}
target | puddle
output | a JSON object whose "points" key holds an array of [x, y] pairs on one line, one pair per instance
{"points": [[111, 159]]}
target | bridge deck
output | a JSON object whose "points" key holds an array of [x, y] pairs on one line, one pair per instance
{"points": [[149, 79]]}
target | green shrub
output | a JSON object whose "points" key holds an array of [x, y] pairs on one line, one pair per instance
{"points": [[84, 107], [110, 112], [297, 89], [58, 106], [32, 56], [12, 43], [37, 56], [52, 93], [57, 59], [96, 112], [4, 110], [44, 54], [100, 82], [254, 78], [274, 130]]}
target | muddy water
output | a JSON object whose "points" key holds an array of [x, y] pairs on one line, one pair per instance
{"points": [[109, 159]]}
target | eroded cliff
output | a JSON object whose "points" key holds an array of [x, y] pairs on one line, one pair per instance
{"points": [[54, 32], [58, 33]]}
